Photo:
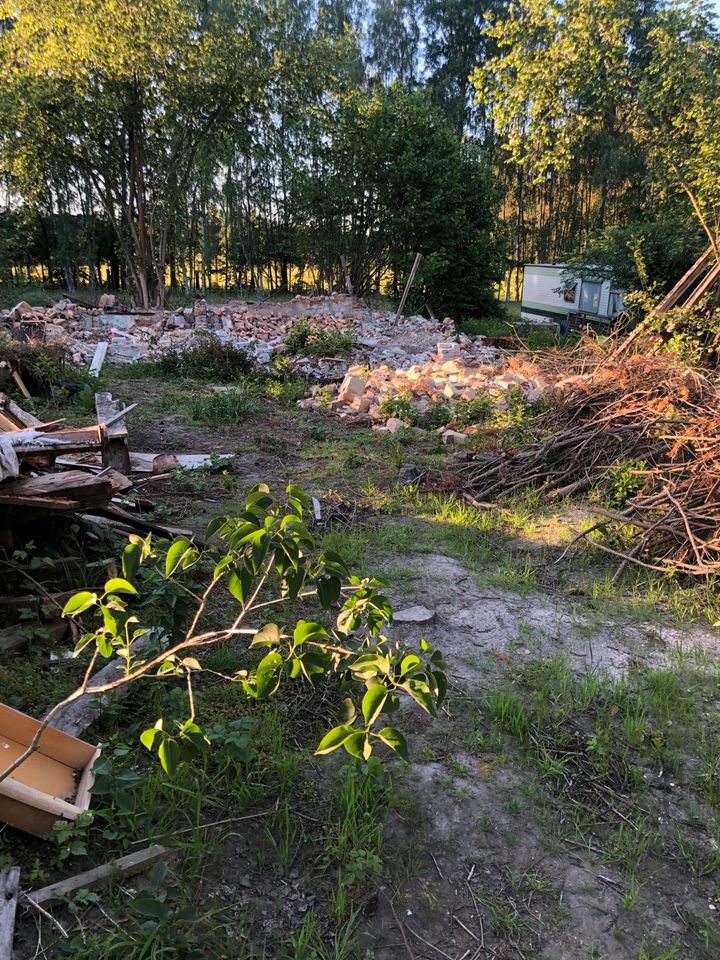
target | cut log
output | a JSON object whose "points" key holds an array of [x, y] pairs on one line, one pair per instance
{"points": [[122, 867], [9, 884], [116, 454]]}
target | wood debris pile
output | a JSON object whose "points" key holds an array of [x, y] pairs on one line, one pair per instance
{"points": [[647, 416]]}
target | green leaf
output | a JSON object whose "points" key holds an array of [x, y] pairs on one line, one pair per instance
{"points": [[348, 711], [265, 676], [328, 589], [239, 581], [420, 692], [395, 740], [78, 603], [147, 737], [119, 585], [334, 739], [169, 755], [175, 552], [373, 703], [131, 559], [308, 630], [268, 636], [355, 745]]}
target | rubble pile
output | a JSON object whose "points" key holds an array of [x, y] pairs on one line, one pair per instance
{"points": [[257, 328], [457, 371]]}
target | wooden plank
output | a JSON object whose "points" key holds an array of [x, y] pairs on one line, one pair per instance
{"points": [[117, 453], [21, 417], [20, 384], [9, 884], [684, 283], [408, 285], [98, 358], [125, 866], [38, 800], [139, 523], [77, 489], [32, 440]]}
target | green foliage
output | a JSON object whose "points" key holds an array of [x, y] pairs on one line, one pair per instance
{"points": [[265, 548], [626, 479], [210, 360], [398, 405], [226, 406], [308, 338]]}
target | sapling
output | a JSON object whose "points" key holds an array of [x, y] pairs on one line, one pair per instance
{"points": [[265, 558]]}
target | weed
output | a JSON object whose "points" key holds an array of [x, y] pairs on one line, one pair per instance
{"points": [[228, 406], [306, 337]]}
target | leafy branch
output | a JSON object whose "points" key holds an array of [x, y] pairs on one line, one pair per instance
{"points": [[263, 558]]}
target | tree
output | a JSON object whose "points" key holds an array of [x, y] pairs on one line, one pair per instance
{"points": [[569, 71], [143, 87], [394, 182]]}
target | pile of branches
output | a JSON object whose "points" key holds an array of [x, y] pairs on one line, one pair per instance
{"points": [[610, 410]]}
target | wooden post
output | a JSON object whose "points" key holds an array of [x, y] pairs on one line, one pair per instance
{"points": [[406, 291], [9, 883], [117, 453]]}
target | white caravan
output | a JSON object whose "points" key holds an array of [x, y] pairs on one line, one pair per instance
{"points": [[550, 294]]}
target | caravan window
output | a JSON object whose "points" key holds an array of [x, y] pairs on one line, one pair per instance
{"points": [[569, 293], [590, 297], [615, 304]]}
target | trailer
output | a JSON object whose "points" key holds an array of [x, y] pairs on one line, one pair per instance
{"points": [[552, 294]]}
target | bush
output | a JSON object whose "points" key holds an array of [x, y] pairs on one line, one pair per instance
{"points": [[211, 360], [310, 338], [226, 406]]}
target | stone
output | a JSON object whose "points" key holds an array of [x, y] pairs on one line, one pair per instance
{"points": [[454, 437], [20, 310], [352, 386], [409, 475], [394, 424], [106, 301], [416, 614]]}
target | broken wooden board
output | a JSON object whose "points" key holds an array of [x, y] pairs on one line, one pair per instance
{"points": [[70, 490], [135, 523], [20, 417], [32, 440], [145, 462], [76, 717], [9, 884], [98, 358], [116, 454], [126, 866]]}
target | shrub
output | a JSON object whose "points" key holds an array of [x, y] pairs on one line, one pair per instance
{"points": [[478, 410], [310, 338], [210, 360], [625, 479], [398, 405]]}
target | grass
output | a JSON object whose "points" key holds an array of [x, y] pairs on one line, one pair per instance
{"points": [[225, 407], [605, 748]]}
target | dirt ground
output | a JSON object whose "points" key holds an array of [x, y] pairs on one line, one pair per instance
{"points": [[479, 833], [482, 864]]}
